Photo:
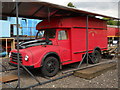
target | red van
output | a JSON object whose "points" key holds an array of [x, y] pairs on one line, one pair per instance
{"points": [[62, 41]]}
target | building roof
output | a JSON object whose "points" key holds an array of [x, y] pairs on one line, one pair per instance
{"points": [[40, 10]]}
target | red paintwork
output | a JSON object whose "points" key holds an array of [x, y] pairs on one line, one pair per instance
{"points": [[112, 32], [76, 42], [71, 22]]}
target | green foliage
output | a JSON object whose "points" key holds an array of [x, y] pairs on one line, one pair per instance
{"points": [[111, 22], [70, 4]]}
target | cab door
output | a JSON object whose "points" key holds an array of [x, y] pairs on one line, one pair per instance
{"points": [[64, 45]]}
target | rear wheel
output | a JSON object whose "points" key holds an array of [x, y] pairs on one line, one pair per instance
{"points": [[50, 67], [95, 57]]}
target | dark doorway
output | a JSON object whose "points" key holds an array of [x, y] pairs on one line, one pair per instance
{"points": [[11, 30]]}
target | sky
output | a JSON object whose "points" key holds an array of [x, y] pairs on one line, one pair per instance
{"points": [[105, 7]]}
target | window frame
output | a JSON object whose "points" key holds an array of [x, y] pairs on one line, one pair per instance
{"points": [[66, 34], [44, 32]]}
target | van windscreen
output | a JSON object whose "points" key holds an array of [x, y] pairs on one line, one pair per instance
{"points": [[47, 33]]}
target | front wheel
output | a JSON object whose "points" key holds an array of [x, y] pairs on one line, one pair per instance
{"points": [[50, 67]]}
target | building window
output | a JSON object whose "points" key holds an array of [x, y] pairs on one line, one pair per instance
{"points": [[62, 35]]}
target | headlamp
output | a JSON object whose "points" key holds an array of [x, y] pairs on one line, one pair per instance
{"points": [[9, 54], [26, 58]]}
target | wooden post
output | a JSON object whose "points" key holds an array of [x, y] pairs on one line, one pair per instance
{"points": [[12, 43]]}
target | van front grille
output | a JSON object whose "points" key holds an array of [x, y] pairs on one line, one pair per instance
{"points": [[14, 57]]}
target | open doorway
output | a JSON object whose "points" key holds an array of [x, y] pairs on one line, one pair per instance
{"points": [[11, 30]]}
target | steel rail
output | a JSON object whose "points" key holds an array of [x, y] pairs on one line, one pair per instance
{"points": [[110, 61], [37, 84], [7, 84], [8, 70]]}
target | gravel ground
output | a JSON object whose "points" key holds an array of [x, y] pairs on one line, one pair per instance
{"points": [[108, 79]]}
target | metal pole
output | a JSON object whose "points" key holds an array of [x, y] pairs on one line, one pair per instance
{"points": [[87, 37], [48, 14], [81, 61], [86, 54], [30, 73], [18, 61], [118, 50]]}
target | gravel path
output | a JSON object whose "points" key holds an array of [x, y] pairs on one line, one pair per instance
{"points": [[108, 79]]}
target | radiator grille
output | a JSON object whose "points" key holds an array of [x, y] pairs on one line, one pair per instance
{"points": [[14, 57]]}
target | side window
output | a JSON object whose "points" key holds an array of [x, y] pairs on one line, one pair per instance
{"points": [[62, 35]]}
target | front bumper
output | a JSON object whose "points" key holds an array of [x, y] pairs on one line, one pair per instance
{"points": [[15, 65]]}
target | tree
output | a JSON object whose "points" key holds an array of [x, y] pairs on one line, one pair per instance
{"points": [[111, 22], [70, 4]]}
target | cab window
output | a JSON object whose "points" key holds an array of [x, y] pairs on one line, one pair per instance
{"points": [[62, 35], [48, 33]]}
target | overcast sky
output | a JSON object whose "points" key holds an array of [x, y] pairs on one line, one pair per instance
{"points": [[105, 7]]}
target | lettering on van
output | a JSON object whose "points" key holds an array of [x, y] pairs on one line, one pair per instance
{"points": [[93, 33]]}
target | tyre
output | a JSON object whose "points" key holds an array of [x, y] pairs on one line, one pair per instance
{"points": [[50, 67], [95, 57]]}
